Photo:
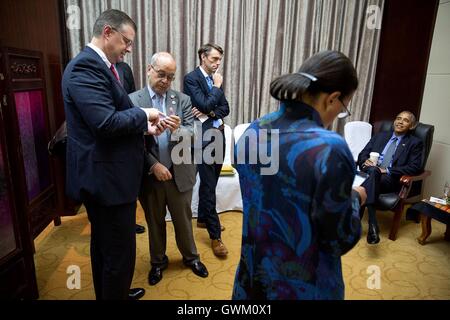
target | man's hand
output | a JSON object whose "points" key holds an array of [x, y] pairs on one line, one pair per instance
{"points": [[155, 130], [172, 122], [152, 115], [162, 125], [153, 119], [218, 80], [362, 194], [369, 163], [197, 113], [161, 172]]}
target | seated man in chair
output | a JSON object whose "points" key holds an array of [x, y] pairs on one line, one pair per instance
{"points": [[400, 154]]}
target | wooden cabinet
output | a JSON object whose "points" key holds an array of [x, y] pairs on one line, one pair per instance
{"points": [[26, 129]]}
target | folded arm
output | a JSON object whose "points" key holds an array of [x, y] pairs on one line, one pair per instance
{"points": [[213, 104]]}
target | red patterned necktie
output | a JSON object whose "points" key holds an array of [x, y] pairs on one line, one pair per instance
{"points": [[114, 71]]}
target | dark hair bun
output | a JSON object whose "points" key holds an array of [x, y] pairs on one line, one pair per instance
{"points": [[334, 72]]}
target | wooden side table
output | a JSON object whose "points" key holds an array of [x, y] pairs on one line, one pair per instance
{"points": [[430, 210]]}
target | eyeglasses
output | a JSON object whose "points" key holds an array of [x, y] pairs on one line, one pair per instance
{"points": [[162, 74], [127, 41], [346, 112]]}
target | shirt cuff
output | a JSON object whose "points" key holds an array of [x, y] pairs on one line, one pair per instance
{"points": [[150, 171], [147, 112]]}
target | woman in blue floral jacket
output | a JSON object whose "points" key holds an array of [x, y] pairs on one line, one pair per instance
{"points": [[299, 221]]}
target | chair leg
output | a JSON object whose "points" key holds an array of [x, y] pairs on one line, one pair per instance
{"points": [[447, 233], [426, 229], [396, 222]]}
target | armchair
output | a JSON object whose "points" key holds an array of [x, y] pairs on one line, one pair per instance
{"points": [[357, 134], [411, 186]]}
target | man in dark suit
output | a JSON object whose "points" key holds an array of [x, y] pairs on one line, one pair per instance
{"points": [[127, 79], [105, 152], [204, 86], [168, 180], [400, 154]]}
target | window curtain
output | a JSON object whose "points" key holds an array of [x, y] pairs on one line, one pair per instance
{"points": [[262, 39]]}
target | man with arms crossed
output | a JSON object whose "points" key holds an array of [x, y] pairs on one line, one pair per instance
{"points": [[204, 86]]}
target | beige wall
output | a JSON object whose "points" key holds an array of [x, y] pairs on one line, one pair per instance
{"points": [[436, 103]]}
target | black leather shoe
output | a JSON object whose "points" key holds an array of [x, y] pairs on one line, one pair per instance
{"points": [[155, 275], [139, 228], [136, 293], [372, 235], [199, 269]]}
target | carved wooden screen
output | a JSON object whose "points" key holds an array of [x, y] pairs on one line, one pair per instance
{"points": [[17, 276], [27, 135], [8, 240]]}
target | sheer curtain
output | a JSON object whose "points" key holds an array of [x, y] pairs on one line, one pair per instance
{"points": [[262, 39]]}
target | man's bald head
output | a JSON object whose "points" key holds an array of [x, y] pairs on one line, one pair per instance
{"points": [[161, 72]]}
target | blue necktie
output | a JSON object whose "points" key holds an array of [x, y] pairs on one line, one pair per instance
{"points": [[210, 82], [387, 158], [163, 139]]}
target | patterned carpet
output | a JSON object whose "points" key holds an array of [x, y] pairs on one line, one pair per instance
{"points": [[407, 269]]}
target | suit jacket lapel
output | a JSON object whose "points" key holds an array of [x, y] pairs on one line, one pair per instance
{"points": [[120, 72], [401, 148], [144, 98], [384, 140], [203, 82], [94, 54]]}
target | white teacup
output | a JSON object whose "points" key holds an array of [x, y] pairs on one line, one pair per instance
{"points": [[374, 156]]}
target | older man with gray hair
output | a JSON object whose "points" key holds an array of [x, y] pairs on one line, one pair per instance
{"points": [[165, 182]]}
